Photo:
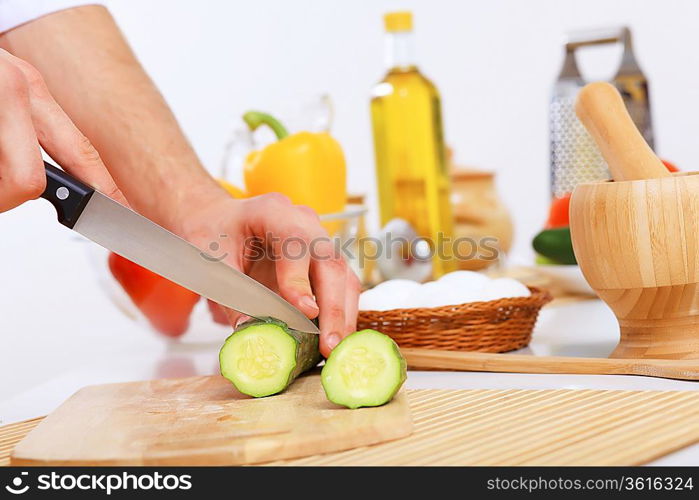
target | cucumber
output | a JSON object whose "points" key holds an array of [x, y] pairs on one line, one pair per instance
{"points": [[540, 260], [556, 245], [365, 369], [263, 357]]}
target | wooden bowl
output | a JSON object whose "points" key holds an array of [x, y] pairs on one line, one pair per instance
{"points": [[637, 243]]}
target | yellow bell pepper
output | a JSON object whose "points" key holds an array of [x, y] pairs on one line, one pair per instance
{"points": [[307, 167]]}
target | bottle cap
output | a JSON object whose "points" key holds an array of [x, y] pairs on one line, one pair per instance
{"points": [[398, 21]]}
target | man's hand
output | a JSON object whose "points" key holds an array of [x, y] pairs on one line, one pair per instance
{"points": [[29, 118], [148, 156], [284, 247]]}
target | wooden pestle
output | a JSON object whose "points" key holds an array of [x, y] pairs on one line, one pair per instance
{"points": [[602, 111]]}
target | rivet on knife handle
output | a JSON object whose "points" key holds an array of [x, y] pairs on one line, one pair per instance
{"points": [[67, 194]]}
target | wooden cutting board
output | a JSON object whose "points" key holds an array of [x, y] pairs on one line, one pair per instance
{"points": [[203, 421]]}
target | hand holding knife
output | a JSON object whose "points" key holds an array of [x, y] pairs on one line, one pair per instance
{"points": [[126, 233]]}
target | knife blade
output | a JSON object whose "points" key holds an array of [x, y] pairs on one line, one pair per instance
{"points": [[126, 233]]}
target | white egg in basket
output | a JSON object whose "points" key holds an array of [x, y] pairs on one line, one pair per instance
{"points": [[465, 280], [502, 288]]}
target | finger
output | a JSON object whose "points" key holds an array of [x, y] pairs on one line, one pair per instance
{"points": [[311, 217], [22, 175], [235, 318], [292, 266], [59, 136], [353, 288], [329, 274], [261, 271], [231, 255], [216, 248], [287, 230]]}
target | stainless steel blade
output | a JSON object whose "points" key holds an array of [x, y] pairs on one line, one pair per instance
{"points": [[131, 235]]}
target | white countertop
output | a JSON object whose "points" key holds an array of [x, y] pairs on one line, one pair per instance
{"points": [[41, 369]]}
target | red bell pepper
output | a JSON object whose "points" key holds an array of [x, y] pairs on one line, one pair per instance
{"points": [[165, 304]]}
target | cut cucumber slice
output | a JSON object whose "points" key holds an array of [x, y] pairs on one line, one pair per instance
{"points": [[365, 369], [262, 357]]}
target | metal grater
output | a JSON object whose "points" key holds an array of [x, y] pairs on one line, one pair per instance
{"points": [[574, 155]]}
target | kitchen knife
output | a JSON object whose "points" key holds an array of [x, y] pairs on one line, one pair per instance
{"points": [[124, 232]]}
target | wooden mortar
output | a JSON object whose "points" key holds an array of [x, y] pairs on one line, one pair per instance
{"points": [[637, 239]]}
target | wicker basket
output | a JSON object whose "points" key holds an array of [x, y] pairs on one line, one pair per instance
{"points": [[495, 326]]}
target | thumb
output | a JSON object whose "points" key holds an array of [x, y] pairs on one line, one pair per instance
{"points": [[235, 318], [219, 249]]}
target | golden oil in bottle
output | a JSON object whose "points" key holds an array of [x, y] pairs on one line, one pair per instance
{"points": [[412, 177]]}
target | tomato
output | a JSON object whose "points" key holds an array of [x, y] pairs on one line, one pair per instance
{"points": [[165, 304], [218, 314], [670, 166], [558, 212]]}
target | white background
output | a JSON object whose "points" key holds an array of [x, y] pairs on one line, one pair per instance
{"points": [[494, 63]]}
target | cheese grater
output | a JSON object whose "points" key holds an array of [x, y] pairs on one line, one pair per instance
{"points": [[574, 155]]}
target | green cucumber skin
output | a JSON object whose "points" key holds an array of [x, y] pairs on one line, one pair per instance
{"points": [[308, 356], [403, 372], [540, 260], [307, 349], [555, 244]]}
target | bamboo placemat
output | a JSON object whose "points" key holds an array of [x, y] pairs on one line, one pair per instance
{"points": [[12, 434], [516, 427]]}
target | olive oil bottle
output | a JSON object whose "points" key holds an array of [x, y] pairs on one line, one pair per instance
{"points": [[412, 177]]}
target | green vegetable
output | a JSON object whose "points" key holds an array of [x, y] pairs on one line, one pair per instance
{"points": [[545, 261], [365, 369], [263, 357], [556, 245]]}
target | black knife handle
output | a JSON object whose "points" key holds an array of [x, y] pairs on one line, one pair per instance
{"points": [[67, 194]]}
